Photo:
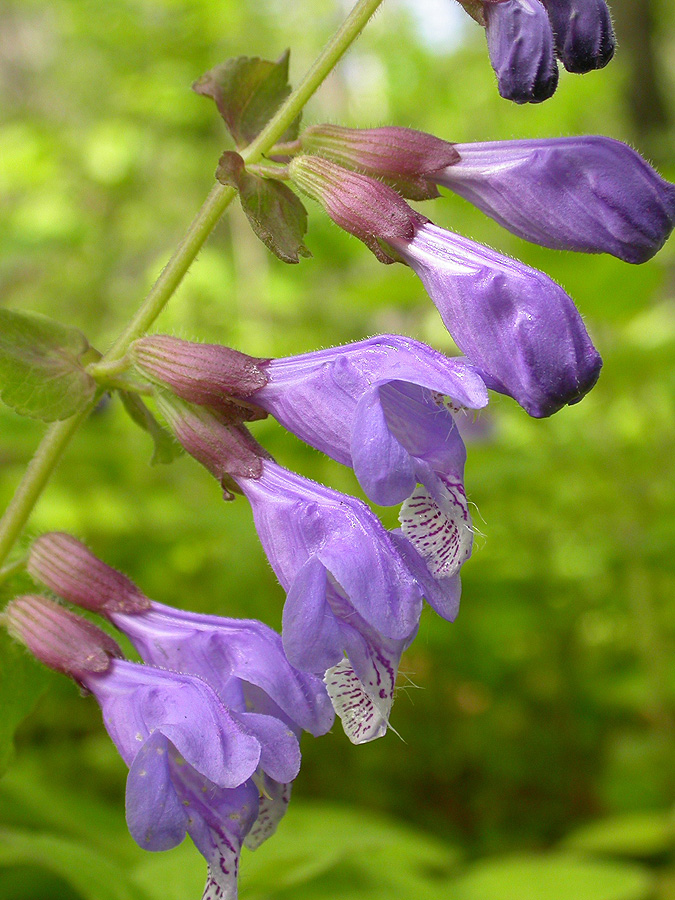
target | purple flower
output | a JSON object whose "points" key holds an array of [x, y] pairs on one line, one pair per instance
{"points": [[521, 48], [241, 659], [518, 327], [354, 592], [379, 405], [589, 193], [194, 764], [583, 31]]}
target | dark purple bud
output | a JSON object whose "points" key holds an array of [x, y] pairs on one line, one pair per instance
{"points": [[520, 44], [517, 326], [592, 194], [227, 451], [206, 374], [72, 571], [401, 156], [583, 32], [59, 638], [363, 206]]}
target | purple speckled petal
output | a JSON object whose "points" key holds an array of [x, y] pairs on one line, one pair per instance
{"points": [[513, 322], [583, 32], [218, 821], [156, 818], [589, 193], [272, 806], [521, 48]]}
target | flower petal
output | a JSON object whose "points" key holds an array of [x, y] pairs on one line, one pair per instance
{"points": [[383, 467], [272, 806], [218, 822], [156, 818], [279, 748], [311, 634]]}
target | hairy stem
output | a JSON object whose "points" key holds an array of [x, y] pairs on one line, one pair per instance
{"points": [[58, 435]]}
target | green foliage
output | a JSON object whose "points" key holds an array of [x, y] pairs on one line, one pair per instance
{"points": [[248, 91], [41, 374], [274, 212], [640, 835], [21, 682], [554, 878], [165, 447]]}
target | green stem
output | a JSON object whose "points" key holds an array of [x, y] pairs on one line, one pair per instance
{"points": [[12, 568], [58, 435], [35, 478]]}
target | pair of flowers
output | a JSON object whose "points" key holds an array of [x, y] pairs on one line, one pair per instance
{"points": [[520, 329], [524, 37], [208, 725]]}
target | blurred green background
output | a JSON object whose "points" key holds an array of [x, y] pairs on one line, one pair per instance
{"points": [[538, 751]]}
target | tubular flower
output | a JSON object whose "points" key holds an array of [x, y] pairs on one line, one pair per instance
{"points": [[524, 37], [193, 762], [588, 193], [241, 659], [383, 406], [591, 193], [519, 328], [354, 591]]}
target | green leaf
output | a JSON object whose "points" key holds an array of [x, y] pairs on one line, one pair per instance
{"points": [[89, 872], [315, 839], [553, 877], [248, 91], [166, 449], [640, 835], [30, 797], [41, 374], [274, 212], [22, 680]]}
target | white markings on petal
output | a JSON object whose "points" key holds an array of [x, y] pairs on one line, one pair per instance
{"points": [[439, 528], [221, 883], [273, 803], [364, 717]]}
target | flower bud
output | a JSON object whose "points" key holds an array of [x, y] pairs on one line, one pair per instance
{"points": [[363, 206], [59, 638], [402, 156], [520, 44], [583, 32], [71, 570], [206, 374], [227, 451]]}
